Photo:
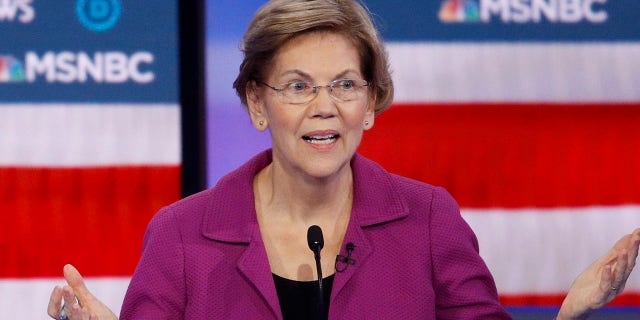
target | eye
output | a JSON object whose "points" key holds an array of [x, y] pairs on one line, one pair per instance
{"points": [[346, 84], [297, 86]]}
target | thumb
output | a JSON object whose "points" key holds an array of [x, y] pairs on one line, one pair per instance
{"points": [[75, 281]]}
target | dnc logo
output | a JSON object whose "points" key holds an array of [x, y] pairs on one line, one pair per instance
{"points": [[459, 11], [98, 15], [11, 70]]}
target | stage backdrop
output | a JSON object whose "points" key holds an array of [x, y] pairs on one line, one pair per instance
{"points": [[89, 142], [528, 112]]}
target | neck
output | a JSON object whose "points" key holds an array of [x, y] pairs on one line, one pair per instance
{"points": [[305, 200], [286, 205]]}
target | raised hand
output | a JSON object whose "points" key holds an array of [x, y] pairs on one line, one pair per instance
{"points": [[603, 280], [79, 303]]}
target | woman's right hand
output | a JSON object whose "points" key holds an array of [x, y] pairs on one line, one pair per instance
{"points": [[79, 303]]}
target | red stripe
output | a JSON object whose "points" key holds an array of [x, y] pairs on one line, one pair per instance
{"points": [[92, 217], [515, 155], [624, 299]]}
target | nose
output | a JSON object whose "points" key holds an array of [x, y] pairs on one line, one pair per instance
{"points": [[323, 104]]}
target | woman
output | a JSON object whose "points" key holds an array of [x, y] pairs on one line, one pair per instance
{"points": [[315, 74]]}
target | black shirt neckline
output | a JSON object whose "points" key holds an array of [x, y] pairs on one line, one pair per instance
{"points": [[298, 299]]}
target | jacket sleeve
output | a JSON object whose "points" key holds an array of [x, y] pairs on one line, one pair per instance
{"points": [[157, 289], [463, 284]]}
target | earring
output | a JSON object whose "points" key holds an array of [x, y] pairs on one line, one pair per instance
{"points": [[261, 123], [366, 123]]}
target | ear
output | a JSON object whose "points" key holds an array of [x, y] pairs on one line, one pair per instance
{"points": [[255, 106], [370, 114]]}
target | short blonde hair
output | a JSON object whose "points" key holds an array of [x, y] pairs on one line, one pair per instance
{"points": [[278, 21]]}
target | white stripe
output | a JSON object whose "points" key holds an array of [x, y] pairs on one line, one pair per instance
{"points": [[521, 72], [28, 299], [542, 251], [61, 135]]}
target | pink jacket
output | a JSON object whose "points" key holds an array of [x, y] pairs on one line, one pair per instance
{"points": [[415, 257]]}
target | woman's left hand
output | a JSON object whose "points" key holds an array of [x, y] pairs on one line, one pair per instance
{"points": [[603, 280]]}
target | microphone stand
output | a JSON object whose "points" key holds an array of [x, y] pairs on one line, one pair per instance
{"points": [[315, 240]]}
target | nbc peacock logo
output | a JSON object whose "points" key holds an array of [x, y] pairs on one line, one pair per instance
{"points": [[452, 11], [11, 69]]}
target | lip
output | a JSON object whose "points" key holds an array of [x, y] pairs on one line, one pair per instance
{"points": [[321, 139]]}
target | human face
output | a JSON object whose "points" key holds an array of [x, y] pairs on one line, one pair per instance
{"points": [[316, 139]]}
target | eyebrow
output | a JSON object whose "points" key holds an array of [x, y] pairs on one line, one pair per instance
{"points": [[309, 77]]}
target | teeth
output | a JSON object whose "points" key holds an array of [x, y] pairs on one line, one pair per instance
{"points": [[326, 139], [329, 136]]}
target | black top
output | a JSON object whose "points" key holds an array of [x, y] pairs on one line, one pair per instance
{"points": [[298, 299]]}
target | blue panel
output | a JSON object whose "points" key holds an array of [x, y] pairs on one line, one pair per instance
{"points": [[609, 313], [89, 51], [508, 20]]}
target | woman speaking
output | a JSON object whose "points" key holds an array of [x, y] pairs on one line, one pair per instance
{"points": [[315, 75]]}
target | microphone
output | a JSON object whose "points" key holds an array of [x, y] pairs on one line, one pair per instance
{"points": [[340, 259], [315, 240]]}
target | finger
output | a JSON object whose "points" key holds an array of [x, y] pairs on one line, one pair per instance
{"points": [[625, 244], [78, 313], [69, 296], [55, 300], [633, 249], [606, 279], [75, 281], [620, 272], [606, 283]]}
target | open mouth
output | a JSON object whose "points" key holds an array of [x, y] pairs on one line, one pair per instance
{"points": [[321, 139]]}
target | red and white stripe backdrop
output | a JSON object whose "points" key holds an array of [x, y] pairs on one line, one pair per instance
{"points": [[538, 142], [78, 184]]}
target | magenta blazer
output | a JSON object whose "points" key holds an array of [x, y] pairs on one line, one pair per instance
{"points": [[415, 257]]}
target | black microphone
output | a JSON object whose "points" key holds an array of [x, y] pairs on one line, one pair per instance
{"points": [[315, 240], [340, 259]]}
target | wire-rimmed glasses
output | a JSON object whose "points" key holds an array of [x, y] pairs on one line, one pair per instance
{"points": [[301, 92]]}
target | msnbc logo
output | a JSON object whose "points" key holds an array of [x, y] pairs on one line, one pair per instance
{"points": [[11, 70], [524, 11], [80, 67], [459, 11]]}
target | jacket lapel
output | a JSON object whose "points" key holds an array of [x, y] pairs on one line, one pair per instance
{"points": [[231, 218], [375, 202], [360, 254], [254, 265]]}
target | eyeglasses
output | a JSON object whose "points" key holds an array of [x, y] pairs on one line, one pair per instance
{"points": [[301, 92]]}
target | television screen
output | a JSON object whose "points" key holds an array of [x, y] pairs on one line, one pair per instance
{"points": [[90, 142]]}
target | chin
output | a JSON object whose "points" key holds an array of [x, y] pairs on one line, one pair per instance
{"points": [[326, 170]]}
